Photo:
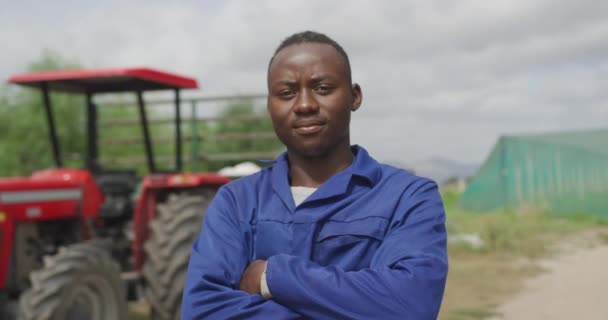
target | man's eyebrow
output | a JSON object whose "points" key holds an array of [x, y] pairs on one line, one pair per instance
{"points": [[321, 77], [314, 79], [284, 82]]}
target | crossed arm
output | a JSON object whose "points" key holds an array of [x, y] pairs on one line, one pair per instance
{"points": [[405, 280]]}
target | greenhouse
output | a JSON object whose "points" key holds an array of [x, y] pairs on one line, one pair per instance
{"points": [[564, 172]]}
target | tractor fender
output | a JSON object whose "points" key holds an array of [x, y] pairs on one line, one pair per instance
{"points": [[156, 185]]}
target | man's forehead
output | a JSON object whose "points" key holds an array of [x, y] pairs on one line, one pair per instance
{"points": [[308, 53]]}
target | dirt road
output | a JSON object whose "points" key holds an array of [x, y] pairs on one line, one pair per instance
{"points": [[575, 286]]}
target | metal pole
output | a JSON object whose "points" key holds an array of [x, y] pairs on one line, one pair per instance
{"points": [[51, 121], [178, 133], [92, 146], [144, 125], [193, 138]]}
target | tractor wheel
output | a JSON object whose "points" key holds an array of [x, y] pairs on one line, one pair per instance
{"points": [[80, 282], [177, 224]]}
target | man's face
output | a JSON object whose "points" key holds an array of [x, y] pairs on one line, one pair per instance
{"points": [[310, 99]]}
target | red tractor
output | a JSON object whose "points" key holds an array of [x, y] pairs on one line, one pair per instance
{"points": [[76, 243]]}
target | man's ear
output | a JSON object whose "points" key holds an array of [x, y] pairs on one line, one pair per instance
{"points": [[357, 97]]}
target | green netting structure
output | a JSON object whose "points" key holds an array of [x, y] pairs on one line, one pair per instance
{"points": [[563, 172]]}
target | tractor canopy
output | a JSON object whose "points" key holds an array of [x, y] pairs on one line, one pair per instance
{"points": [[99, 81], [104, 80]]}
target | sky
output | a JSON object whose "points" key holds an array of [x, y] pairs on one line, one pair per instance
{"points": [[440, 78]]}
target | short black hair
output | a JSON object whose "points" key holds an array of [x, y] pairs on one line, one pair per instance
{"points": [[313, 37]]}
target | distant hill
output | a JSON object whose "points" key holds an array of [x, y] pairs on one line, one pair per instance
{"points": [[438, 168]]}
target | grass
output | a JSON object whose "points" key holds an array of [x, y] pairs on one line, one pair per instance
{"points": [[472, 314], [480, 279]]}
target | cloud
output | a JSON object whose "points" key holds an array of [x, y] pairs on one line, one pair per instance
{"points": [[440, 78]]}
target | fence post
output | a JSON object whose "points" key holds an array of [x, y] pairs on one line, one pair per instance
{"points": [[193, 138]]}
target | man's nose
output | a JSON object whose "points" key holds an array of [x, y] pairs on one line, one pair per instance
{"points": [[306, 103]]}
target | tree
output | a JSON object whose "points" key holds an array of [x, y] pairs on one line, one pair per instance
{"points": [[248, 122], [25, 145]]}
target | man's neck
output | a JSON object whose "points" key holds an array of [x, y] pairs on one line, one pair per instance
{"points": [[314, 171]]}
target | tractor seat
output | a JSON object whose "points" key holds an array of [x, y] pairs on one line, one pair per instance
{"points": [[117, 186], [117, 182]]}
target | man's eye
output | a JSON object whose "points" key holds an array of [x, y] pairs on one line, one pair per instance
{"points": [[324, 89], [286, 93]]}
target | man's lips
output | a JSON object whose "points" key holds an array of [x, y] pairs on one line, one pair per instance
{"points": [[308, 126]]}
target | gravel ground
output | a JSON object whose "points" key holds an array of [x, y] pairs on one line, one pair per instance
{"points": [[575, 286]]}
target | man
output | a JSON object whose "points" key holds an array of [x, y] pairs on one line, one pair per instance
{"points": [[326, 232]]}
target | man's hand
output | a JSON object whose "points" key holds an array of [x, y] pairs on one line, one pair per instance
{"points": [[250, 282]]}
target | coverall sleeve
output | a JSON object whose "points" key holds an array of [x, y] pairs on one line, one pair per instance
{"points": [[219, 257], [405, 280]]}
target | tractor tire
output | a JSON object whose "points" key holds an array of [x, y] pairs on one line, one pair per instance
{"points": [[177, 223], [82, 281]]}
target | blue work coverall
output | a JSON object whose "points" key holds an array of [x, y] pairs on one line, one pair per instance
{"points": [[370, 243]]}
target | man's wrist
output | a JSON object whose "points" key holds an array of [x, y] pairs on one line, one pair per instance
{"points": [[264, 290]]}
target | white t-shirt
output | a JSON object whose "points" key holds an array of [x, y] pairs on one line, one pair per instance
{"points": [[301, 193]]}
